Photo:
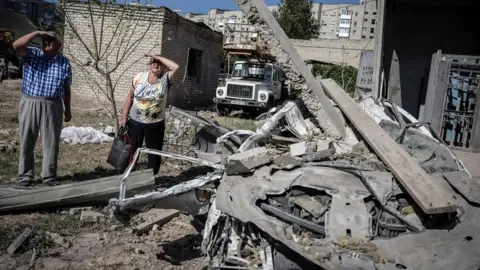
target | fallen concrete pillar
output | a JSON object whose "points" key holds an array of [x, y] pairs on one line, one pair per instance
{"points": [[246, 161], [97, 190], [279, 44]]}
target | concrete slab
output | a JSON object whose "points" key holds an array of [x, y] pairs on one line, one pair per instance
{"points": [[246, 161], [470, 160], [158, 217], [298, 149], [324, 144], [91, 216]]}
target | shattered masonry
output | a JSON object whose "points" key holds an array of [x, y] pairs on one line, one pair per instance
{"points": [[294, 77]]}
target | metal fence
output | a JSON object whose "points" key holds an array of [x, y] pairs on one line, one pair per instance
{"points": [[453, 100], [179, 136]]}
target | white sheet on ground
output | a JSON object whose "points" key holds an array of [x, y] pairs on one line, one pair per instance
{"points": [[83, 135]]}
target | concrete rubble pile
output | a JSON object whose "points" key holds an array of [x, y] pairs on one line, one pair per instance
{"points": [[284, 197], [323, 183], [377, 190]]}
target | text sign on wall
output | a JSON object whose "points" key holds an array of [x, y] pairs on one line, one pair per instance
{"points": [[365, 70]]}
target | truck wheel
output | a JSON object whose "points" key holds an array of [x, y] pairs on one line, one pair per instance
{"points": [[220, 110], [284, 94], [271, 103]]}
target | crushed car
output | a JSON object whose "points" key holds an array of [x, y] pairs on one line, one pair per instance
{"points": [[285, 197]]}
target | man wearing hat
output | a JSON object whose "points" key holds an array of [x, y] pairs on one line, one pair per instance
{"points": [[47, 76]]}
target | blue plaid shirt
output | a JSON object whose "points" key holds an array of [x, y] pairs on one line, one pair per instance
{"points": [[45, 76]]}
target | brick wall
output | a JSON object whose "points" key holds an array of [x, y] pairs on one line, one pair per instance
{"points": [[189, 92], [334, 51], [144, 30]]}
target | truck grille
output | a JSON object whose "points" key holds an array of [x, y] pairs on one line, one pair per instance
{"points": [[240, 91]]}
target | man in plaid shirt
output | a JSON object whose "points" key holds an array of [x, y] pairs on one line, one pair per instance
{"points": [[47, 76]]}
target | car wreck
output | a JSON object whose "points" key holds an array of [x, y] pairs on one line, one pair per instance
{"points": [[325, 182], [287, 197]]}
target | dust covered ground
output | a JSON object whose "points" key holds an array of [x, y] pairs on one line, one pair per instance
{"points": [[175, 245], [79, 244]]}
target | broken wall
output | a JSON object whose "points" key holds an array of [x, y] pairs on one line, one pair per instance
{"points": [[198, 51], [417, 31], [335, 51]]}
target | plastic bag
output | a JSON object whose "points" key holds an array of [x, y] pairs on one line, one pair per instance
{"points": [[120, 153]]}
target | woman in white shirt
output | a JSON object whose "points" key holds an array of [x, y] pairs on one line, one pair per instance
{"points": [[144, 109]]}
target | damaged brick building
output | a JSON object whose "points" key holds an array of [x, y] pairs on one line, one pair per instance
{"points": [[147, 29]]}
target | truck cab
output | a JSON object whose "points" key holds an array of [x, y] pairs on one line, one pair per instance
{"points": [[253, 85]]}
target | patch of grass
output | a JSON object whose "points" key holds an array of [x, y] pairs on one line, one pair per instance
{"points": [[75, 162], [236, 123]]}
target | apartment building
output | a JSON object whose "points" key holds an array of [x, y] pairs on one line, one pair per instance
{"points": [[340, 21], [237, 31], [348, 21]]}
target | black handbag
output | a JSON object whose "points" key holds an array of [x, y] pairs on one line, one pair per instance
{"points": [[120, 154]]}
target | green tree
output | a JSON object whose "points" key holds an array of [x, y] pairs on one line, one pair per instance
{"points": [[295, 17], [345, 76]]}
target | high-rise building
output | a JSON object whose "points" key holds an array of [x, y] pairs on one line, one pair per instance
{"points": [[340, 21], [348, 21]]}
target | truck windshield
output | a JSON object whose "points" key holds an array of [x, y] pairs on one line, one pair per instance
{"points": [[252, 71]]}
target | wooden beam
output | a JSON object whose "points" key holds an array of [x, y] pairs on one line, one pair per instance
{"points": [[430, 197], [337, 128]]}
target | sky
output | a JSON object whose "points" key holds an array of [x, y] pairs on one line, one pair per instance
{"points": [[202, 6]]}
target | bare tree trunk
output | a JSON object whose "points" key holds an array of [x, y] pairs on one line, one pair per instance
{"points": [[111, 98]]}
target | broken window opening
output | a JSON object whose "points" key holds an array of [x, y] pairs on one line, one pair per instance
{"points": [[194, 64]]}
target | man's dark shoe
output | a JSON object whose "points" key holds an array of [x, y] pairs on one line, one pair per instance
{"points": [[50, 182], [26, 183]]}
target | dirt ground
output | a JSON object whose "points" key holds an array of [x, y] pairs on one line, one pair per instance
{"points": [[85, 245], [98, 245], [175, 245]]}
